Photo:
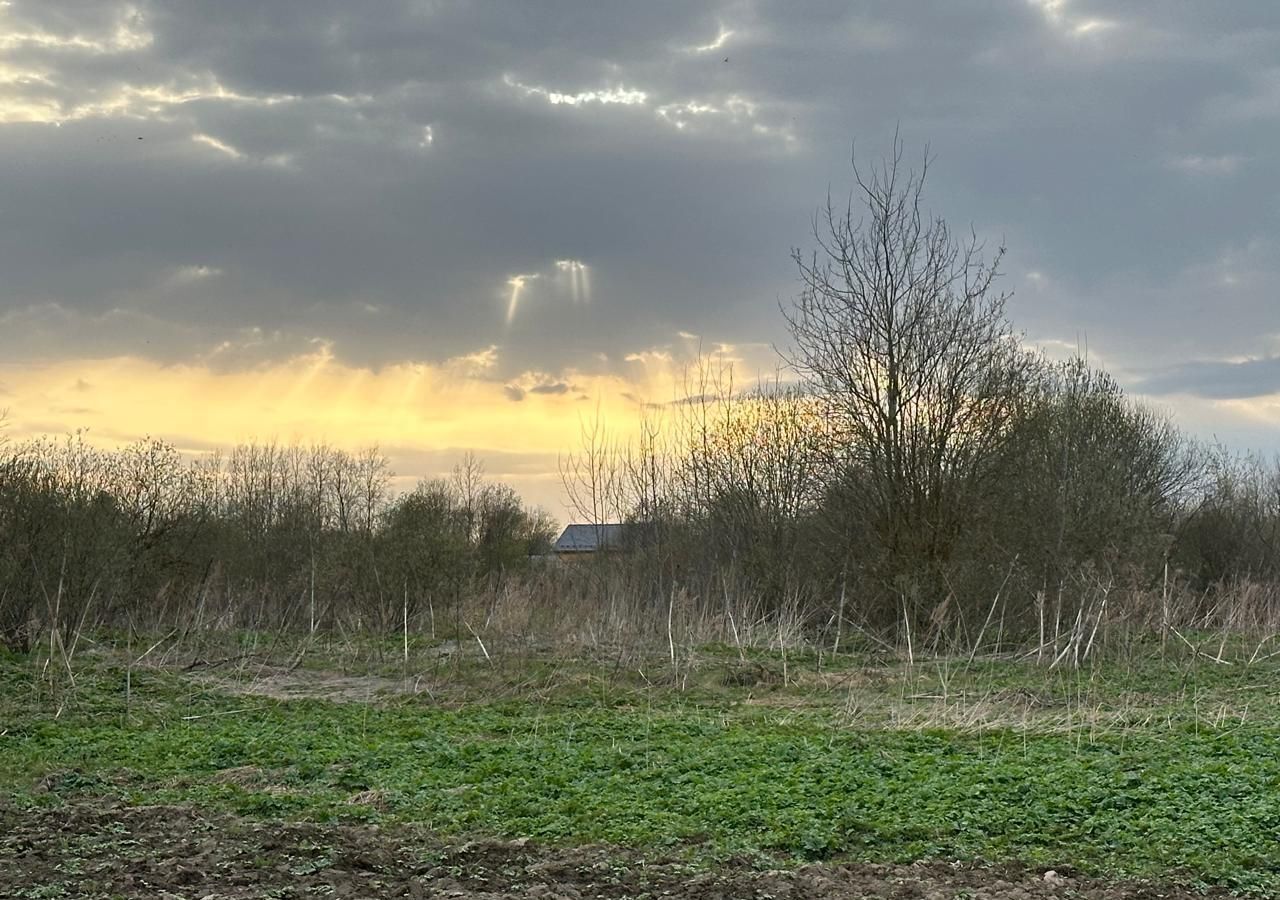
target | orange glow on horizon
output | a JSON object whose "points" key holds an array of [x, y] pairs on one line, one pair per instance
{"points": [[425, 416]]}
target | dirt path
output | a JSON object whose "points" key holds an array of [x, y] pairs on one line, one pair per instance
{"points": [[105, 851]]}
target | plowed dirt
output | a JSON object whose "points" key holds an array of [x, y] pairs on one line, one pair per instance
{"points": [[111, 851]]}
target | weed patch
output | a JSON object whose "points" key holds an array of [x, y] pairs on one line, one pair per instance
{"points": [[706, 779]]}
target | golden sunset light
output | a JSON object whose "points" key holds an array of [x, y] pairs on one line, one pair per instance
{"points": [[424, 416]]}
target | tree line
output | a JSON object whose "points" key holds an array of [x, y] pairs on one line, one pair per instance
{"points": [[265, 536], [914, 471]]}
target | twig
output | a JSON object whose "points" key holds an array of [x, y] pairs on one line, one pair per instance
{"points": [[478, 641], [992, 611], [225, 712], [214, 663], [1198, 652]]}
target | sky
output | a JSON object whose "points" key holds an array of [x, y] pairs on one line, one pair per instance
{"points": [[448, 226]]}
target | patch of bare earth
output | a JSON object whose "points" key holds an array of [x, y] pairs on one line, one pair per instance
{"points": [[108, 851], [307, 684]]}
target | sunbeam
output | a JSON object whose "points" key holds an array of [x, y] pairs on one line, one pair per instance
{"points": [[579, 280], [517, 283]]}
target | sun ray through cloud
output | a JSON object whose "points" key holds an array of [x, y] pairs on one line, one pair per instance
{"points": [[579, 276], [517, 284]]}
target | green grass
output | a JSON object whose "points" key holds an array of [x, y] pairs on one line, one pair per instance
{"points": [[1160, 788]]}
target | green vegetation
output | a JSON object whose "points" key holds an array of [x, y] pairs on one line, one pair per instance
{"points": [[1163, 768]]}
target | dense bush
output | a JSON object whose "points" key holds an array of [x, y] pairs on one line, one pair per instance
{"points": [[926, 472], [267, 536]]}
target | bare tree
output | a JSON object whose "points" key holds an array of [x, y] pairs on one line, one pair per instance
{"points": [[901, 335], [593, 478], [647, 465], [468, 483]]}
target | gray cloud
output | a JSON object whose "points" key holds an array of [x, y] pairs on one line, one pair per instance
{"points": [[311, 171], [558, 387], [517, 393], [1219, 380]]}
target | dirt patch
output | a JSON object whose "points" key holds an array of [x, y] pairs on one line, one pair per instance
{"points": [[245, 777], [750, 675], [306, 684], [109, 851]]}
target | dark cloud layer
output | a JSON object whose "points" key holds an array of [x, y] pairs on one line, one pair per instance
{"points": [[234, 181], [1218, 380]]}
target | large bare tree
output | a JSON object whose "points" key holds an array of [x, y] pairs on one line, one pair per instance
{"points": [[900, 332]]}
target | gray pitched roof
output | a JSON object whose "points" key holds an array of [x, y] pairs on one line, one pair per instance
{"points": [[588, 538]]}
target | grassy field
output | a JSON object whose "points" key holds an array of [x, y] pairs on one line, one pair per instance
{"points": [[1163, 768]]}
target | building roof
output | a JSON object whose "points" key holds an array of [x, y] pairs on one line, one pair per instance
{"points": [[588, 538]]}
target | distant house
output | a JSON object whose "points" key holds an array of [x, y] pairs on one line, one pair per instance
{"points": [[581, 541]]}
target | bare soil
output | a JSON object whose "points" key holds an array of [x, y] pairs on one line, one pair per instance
{"points": [[104, 850], [280, 683]]}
